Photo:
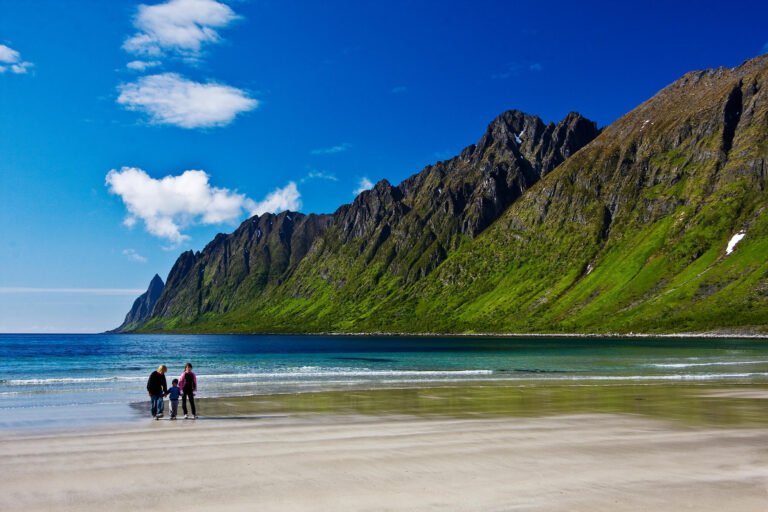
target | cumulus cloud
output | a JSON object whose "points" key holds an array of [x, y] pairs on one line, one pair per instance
{"points": [[334, 149], [132, 255], [10, 60], [142, 65], [169, 204], [281, 199], [169, 98], [178, 27], [363, 185]]}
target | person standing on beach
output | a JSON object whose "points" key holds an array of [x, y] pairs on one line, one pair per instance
{"points": [[157, 387], [174, 393], [188, 385]]}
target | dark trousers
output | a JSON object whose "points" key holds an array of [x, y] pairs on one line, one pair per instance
{"points": [[191, 403]]}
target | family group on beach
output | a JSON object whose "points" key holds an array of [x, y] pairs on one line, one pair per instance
{"points": [[184, 387]]}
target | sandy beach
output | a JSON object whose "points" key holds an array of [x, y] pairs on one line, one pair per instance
{"points": [[567, 462]]}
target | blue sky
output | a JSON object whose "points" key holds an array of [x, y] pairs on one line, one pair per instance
{"points": [[280, 104]]}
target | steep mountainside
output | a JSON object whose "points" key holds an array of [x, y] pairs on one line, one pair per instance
{"points": [[525, 232], [405, 231], [143, 305]]}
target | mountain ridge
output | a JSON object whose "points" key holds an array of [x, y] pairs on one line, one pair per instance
{"points": [[509, 235]]}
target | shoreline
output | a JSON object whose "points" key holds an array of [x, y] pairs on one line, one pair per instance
{"points": [[719, 403], [382, 334]]}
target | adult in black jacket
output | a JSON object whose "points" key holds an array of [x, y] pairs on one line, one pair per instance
{"points": [[157, 387]]}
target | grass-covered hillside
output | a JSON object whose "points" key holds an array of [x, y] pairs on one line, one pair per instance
{"points": [[527, 232]]}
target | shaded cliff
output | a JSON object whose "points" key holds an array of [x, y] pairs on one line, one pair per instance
{"points": [[143, 305]]}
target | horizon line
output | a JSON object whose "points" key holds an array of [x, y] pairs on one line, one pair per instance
{"points": [[92, 291]]}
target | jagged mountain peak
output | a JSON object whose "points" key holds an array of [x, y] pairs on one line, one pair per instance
{"points": [[156, 283], [143, 306], [406, 230]]}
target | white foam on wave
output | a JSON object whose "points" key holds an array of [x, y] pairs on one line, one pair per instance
{"points": [[304, 371], [345, 372], [66, 380], [677, 376], [714, 363], [393, 376]]}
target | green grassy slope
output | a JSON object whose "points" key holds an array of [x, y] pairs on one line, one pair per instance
{"points": [[627, 235]]}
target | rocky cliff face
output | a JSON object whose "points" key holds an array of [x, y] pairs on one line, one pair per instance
{"points": [[235, 268], [406, 230], [538, 227], [143, 305], [630, 234]]}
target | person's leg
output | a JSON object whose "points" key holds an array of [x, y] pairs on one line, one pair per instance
{"points": [[174, 408], [184, 404], [192, 404], [153, 405], [160, 405]]}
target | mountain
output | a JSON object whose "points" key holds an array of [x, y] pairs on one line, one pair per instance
{"points": [[537, 228], [143, 305], [405, 231]]}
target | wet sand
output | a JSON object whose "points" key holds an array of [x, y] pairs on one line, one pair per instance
{"points": [[595, 462]]}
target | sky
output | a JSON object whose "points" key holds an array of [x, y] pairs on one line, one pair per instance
{"points": [[132, 132]]}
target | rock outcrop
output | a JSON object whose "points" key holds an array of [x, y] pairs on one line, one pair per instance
{"points": [[143, 305]]}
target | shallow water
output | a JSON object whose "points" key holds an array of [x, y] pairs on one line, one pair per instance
{"points": [[63, 379]]}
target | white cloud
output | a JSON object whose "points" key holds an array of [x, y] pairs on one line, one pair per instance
{"points": [[132, 255], [169, 204], [8, 55], [179, 27], [281, 199], [334, 149], [363, 185], [10, 60], [399, 89], [169, 98], [314, 174], [536, 67], [142, 65]]}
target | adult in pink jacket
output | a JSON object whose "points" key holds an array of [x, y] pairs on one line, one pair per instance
{"points": [[188, 385]]}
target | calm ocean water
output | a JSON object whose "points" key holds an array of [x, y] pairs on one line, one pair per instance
{"points": [[58, 378]]}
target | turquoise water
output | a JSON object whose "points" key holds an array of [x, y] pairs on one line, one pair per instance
{"points": [[60, 379]]}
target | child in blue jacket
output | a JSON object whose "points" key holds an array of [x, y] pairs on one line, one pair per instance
{"points": [[173, 395]]}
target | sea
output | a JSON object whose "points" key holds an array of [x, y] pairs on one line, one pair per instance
{"points": [[70, 379]]}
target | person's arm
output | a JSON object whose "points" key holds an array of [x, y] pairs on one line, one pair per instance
{"points": [[182, 381], [194, 382], [149, 384]]}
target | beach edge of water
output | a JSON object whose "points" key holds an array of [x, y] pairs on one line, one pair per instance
{"points": [[387, 334]]}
